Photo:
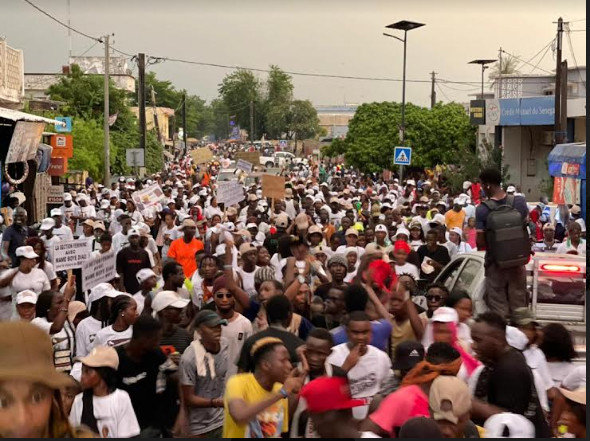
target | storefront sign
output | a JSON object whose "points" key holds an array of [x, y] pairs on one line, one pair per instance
{"points": [[98, 270], [477, 112], [66, 127], [24, 142], [58, 167], [63, 146], [55, 194], [533, 111], [70, 254]]}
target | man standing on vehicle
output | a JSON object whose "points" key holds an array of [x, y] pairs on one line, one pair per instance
{"points": [[506, 243]]}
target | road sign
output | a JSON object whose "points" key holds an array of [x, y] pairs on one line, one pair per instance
{"points": [[135, 157], [402, 155]]}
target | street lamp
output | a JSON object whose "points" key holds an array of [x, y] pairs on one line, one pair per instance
{"points": [[405, 26], [483, 68]]}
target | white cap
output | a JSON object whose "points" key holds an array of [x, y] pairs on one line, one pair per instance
{"points": [[133, 232], [102, 290], [67, 197], [437, 219], [411, 182], [516, 338], [26, 296], [380, 227], [402, 230], [164, 299], [47, 224], [511, 189], [518, 426], [444, 314], [144, 274], [105, 203], [457, 230], [56, 212], [27, 252]]}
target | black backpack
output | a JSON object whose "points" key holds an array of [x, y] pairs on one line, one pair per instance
{"points": [[507, 239]]}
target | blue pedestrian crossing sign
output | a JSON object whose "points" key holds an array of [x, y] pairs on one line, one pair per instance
{"points": [[402, 156]]}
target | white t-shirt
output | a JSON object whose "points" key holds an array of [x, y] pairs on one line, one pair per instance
{"points": [[114, 415], [407, 268], [248, 280], [120, 240], [63, 342], [342, 249], [566, 246], [36, 281], [211, 211], [49, 246], [140, 300], [85, 335], [559, 370], [366, 377], [49, 271], [109, 337], [236, 332], [64, 233]]}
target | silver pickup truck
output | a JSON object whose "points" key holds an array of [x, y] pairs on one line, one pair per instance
{"points": [[556, 284]]}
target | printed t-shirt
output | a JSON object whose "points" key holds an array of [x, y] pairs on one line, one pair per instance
{"points": [[269, 423]]}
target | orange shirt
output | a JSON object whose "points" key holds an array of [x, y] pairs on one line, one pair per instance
{"points": [[184, 254], [454, 219]]}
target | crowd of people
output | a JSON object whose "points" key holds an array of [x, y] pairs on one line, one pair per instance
{"points": [[317, 315]]}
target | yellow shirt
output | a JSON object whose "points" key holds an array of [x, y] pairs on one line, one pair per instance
{"points": [[269, 423], [454, 219]]}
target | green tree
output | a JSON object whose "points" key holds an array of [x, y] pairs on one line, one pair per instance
{"points": [[279, 95], [302, 120], [509, 66], [237, 90]]}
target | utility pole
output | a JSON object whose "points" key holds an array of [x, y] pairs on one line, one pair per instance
{"points": [[107, 151], [432, 91], [251, 121], [69, 36], [559, 128], [184, 130], [500, 73], [156, 124], [141, 99]]}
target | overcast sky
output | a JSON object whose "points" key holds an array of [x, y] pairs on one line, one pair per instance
{"points": [[341, 37]]}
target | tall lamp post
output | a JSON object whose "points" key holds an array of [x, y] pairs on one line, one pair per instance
{"points": [[405, 26], [483, 64]]}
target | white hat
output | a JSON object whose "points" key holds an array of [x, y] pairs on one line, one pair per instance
{"points": [[251, 225], [102, 356], [164, 299], [101, 290], [203, 192], [349, 250], [144, 274], [402, 230], [56, 212], [466, 185], [516, 338], [67, 197], [444, 314], [133, 232], [27, 252], [511, 189], [411, 182], [105, 203], [427, 183], [47, 224], [457, 230], [26, 296], [380, 227], [437, 219], [575, 379], [517, 425]]}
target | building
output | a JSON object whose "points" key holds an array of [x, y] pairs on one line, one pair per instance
{"points": [[12, 92], [165, 126], [521, 119], [335, 119]]}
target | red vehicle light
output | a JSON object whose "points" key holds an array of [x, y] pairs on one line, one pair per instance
{"points": [[560, 268]]}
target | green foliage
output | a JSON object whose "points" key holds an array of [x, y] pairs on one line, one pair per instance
{"points": [[237, 90], [438, 135], [302, 120]]}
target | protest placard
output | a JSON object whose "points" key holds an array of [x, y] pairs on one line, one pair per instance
{"points": [[202, 155], [230, 193], [244, 165], [70, 254], [251, 157], [147, 197], [98, 269], [273, 186]]}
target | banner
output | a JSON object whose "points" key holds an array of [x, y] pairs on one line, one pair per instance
{"points": [[273, 186], [566, 191], [230, 193], [55, 194], [251, 157], [70, 254], [99, 269], [147, 197], [244, 165], [202, 155], [24, 141]]}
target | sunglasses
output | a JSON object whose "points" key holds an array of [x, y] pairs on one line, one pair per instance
{"points": [[434, 298], [221, 295]]}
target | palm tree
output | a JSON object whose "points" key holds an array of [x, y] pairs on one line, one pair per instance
{"points": [[509, 66]]}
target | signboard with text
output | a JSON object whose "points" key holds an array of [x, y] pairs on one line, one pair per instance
{"points": [[24, 142], [70, 254], [63, 146], [477, 112], [148, 196], [251, 157], [244, 165], [98, 270], [55, 194], [58, 167], [230, 193]]}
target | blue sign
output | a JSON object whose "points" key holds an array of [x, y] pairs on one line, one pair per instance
{"points": [[533, 111], [402, 156], [64, 129]]}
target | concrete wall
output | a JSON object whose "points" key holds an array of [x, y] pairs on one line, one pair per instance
{"points": [[580, 130]]}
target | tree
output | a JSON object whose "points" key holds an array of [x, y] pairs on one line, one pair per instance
{"points": [[237, 90], [302, 120], [438, 135], [509, 66], [279, 95]]}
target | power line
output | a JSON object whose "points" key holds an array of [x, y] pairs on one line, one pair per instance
{"points": [[571, 46], [542, 57], [99, 40], [525, 62], [443, 92], [537, 54], [83, 53], [575, 21]]}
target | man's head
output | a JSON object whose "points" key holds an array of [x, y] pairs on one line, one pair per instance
{"points": [[20, 216], [490, 180], [271, 358], [574, 231], [335, 303], [168, 305], [208, 325], [450, 405], [188, 228], [125, 222], [549, 232], [436, 296], [489, 337], [279, 311], [173, 275], [352, 236], [345, 223], [147, 333], [337, 265], [358, 329], [407, 355], [133, 235], [318, 348]]}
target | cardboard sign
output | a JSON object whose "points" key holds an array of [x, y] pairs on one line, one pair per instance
{"points": [[273, 186], [98, 270], [148, 197], [244, 165], [230, 193], [58, 167], [24, 142], [251, 157], [202, 155], [70, 254], [55, 194], [63, 146], [566, 191]]}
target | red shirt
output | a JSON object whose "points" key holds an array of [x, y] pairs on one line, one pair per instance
{"points": [[405, 403]]}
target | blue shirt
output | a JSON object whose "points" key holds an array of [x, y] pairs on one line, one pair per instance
{"points": [[380, 335]]}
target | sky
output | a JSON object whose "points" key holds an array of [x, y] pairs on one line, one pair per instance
{"points": [[338, 37]]}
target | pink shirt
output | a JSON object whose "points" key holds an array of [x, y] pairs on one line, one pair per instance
{"points": [[405, 403], [471, 234]]}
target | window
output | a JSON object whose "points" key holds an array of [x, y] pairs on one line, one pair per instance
{"points": [[449, 273], [469, 274]]}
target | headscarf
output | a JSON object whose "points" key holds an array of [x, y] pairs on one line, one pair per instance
{"points": [[425, 372]]}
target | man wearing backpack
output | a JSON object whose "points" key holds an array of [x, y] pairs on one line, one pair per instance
{"points": [[501, 231]]}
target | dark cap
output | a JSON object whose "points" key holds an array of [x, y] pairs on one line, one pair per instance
{"points": [[407, 355], [209, 318], [523, 317], [123, 216]]}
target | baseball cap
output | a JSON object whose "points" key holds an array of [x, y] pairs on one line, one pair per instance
{"points": [[352, 232], [56, 212], [314, 251], [407, 355], [231, 211], [208, 318], [105, 203], [101, 290], [411, 182], [252, 197], [301, 221], [26, 296], [251, 226], [282, 221], [402, 230], [438, 219], [67, 197], [247, 247], [575, 209], [380, 228], [523, 316], [508, 425], [373, 248], [133, 232], [449, 398], [457, 230], [165, 299], [99, 225], [102, 356], [577, 396], [187, 223], [415, 224], [444, 314], [511, 189], [314, 229], [27, 252], [74, 308], [144, 274], [329, 393], [47, 224]]}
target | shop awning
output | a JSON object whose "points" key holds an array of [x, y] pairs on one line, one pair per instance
{"points": [[15, 115], [568, 160]]}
